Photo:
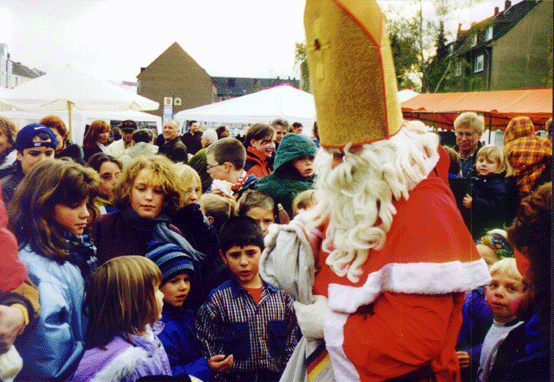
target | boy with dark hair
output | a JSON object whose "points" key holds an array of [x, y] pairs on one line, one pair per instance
{"points": [[251, 322], [34, 144]]}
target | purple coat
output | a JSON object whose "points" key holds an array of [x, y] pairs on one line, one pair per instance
{"points": [[123, 361]]}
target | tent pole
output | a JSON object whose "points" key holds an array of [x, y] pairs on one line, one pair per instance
{"points": [[490, 128], [69, 114]]}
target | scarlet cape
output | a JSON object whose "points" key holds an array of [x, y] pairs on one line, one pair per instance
{"points": [[405, 312]]}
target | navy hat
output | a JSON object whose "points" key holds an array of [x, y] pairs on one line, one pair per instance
{"points": [[25, 137], [170, 258], [128, 125]]}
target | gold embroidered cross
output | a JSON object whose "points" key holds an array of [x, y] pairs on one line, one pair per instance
{"points": [[318, 45]]}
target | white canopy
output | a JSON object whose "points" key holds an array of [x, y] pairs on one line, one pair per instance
{"points": [[282, 101], [406, 94], [69, 86]]}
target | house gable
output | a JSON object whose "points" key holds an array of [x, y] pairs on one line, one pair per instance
{"points": [[175, 73]]}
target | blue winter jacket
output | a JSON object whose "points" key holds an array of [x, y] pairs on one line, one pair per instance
{"points": [[52, 346], [179, 340]]}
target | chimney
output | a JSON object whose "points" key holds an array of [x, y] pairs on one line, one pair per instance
{"points": [[496, 10], [507, 4]]}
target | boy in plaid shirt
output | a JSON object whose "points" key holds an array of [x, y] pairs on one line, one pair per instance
{"points": [[252, 323]]}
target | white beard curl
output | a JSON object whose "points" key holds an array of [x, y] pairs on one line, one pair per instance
{"points": [[357, 195]]}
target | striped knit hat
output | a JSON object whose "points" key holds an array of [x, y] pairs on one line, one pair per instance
{"points": [[170, 258]]}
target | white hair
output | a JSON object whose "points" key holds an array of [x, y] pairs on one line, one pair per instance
{"points": [[357, 195], [210, 135]]}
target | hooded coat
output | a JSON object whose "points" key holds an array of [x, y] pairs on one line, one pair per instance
{"points": [[286, 182], [529, 154]]}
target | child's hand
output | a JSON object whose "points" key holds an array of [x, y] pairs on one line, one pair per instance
{"points": [[11, 323], [463, 359], [467, 201], [220, 364]]}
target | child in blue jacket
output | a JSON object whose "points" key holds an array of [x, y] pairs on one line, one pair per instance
{"points": [[178, 335]]}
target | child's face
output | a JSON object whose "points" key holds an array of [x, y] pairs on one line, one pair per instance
{"points": [[500, 294], [73, 219], [159, 301], [305, 166], [176, 289], [34, 155], [486, 165], [109, 171], [263, 216], [243, 264], [193, 192], [146, 200]]}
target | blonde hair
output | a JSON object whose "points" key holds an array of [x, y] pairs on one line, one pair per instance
{"points": [[471, 119], [31, 211], [9, 128], [218, 207], [186, 175], [497, 153], [303, 201], [120, 299], [506, 266], [161, 173]]}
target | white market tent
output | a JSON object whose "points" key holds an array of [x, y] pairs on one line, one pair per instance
{"points": [[282, 101], [69, 89]]}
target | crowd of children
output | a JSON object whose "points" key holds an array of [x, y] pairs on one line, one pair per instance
{"points": [[140, 272]]}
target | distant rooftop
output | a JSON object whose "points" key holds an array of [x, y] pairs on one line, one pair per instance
{"points": [[238, 86]]}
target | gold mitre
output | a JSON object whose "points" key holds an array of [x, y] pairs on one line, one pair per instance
{"points": [[352, 72]]}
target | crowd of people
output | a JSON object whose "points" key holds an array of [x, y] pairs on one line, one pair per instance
{"points": [[367, 253], [114, 246]]}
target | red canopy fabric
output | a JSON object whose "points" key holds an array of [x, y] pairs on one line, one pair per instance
{"points": [[498, 107]]}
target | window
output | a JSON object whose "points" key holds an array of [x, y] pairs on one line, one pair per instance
{"points": [[474, 40], [479, 63], [488, 35], [458, 69]]}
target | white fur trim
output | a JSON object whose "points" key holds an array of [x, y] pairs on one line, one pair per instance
{"points": [[122, 366], [416, 278], [343, 368]]}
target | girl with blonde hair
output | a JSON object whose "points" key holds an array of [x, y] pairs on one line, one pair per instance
{"points": [[493, 199], [146, 193], [50, 214], [123, 304]]}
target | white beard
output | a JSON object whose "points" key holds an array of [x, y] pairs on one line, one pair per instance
{"points": [[357, 195]]}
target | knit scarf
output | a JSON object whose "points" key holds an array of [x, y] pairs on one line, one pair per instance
{"points": [[82, 253], [159, 227]]}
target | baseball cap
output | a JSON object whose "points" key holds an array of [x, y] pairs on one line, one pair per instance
{"points": [[25, 137], [128, 125]]}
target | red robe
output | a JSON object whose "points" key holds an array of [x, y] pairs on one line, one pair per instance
{"points": [[405, 312]]}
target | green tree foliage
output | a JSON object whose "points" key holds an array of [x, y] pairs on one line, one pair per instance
{"points": [[436, 68], [301, 60], [403, 39], [420, 43]]}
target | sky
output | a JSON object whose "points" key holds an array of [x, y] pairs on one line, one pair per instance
{"points": [[113, 39]]}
